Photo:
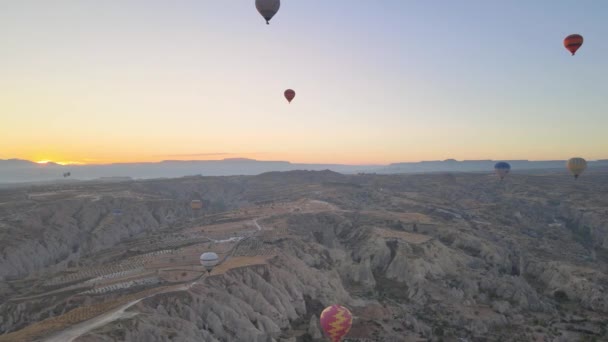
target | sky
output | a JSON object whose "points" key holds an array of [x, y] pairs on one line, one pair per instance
{"points": [[377, 82]]}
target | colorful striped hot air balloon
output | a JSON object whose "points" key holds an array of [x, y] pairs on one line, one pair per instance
{"points": [[336, 321], [576, 166], [502, 169], [573, 42], [289, 94]]}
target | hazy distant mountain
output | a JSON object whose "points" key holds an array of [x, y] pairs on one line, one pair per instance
{"points": [[16, 163], [451, 165], [16, 170]]}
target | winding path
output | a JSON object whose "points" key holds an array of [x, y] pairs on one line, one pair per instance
{"points": [[255, 222], [73, 332]]}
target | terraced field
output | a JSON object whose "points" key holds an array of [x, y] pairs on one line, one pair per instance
{"points": [[236, 236], [49, 326]]}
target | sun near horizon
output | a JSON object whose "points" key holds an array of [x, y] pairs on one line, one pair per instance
{"points": [[64, 163]]}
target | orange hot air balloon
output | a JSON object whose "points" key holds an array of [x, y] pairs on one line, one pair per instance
{"points": [[196, 204], [336, 321], [289, 94], [573, 42]]}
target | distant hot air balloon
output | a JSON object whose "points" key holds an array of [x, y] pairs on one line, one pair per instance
{"points": [[209, 260], [576, 166], [268, 8], [502, 169], [336, 321], [573, 42], [196, 204], [289, 94]]}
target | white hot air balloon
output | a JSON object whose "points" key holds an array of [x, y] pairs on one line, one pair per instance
{"points": [[209, 260], [268, 8]]}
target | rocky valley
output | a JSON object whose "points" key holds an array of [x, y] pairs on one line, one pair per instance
{"points": [[428, 257]]}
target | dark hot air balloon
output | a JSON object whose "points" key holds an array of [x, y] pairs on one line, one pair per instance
{"points": [[573, 42], [268, 8], [289, 94]]}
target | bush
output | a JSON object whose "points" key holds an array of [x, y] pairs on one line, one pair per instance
{"points": [[560, 296]]}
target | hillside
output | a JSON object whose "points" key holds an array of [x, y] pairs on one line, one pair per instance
{"points": [[435, 257]]}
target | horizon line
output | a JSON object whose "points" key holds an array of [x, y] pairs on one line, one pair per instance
{"points": [[71, 163]]}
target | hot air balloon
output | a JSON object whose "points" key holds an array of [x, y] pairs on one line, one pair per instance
{"points": [[289, 95], [268, 8], [573, 42], [209, 260], [196, 204], [502, 169], [576, 166], [336, 321]]}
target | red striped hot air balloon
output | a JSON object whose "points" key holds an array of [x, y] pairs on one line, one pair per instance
{"points": [[336, 321], [289, 94], [573, 42]]}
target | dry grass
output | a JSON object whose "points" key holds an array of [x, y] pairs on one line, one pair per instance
{"points": [[315, 206], [54, 324], [406, 217], [413, 217], [81, 314], [409, 237], [236, 262], [223, 230], [182, 274]]}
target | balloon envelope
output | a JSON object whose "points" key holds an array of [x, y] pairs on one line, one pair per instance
{"points": [[336, 321], [573, 42], [196, 204], [209, 260], [289, 94], [502, 169], [576, 166], [268, 8]]}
